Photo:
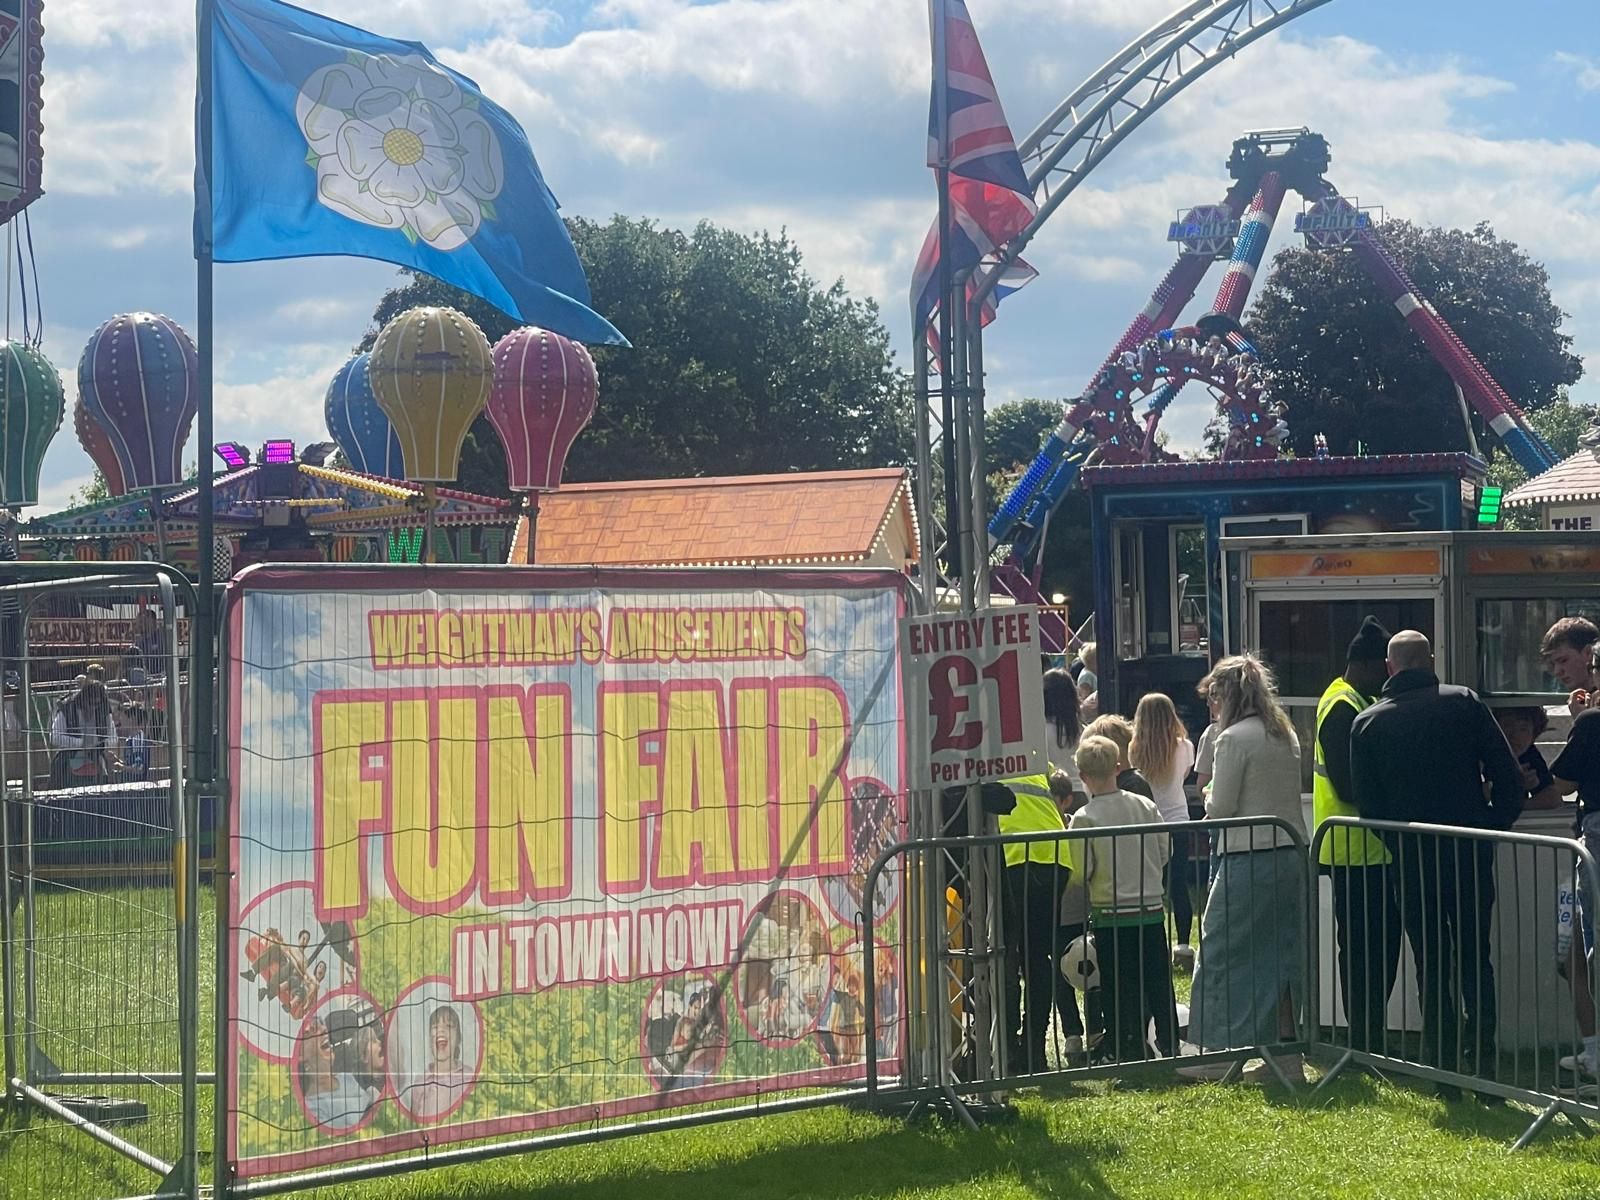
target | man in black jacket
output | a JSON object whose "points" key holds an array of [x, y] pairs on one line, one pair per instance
{"points": [[1432, 753]]}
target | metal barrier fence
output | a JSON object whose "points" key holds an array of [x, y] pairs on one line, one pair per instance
{"points": [[1078, 948], [99, 928], [1459, 957]]}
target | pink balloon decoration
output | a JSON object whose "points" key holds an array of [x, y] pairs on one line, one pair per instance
{"points": [[544, 393]]}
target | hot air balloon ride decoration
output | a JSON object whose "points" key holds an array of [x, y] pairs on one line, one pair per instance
{"points": [[139, 378], [544, 394], [32, 404], [97, 444], [363, 431], [430, 370]]}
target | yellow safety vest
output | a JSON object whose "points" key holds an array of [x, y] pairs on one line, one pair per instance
{"points": [[1341, 847], [1036, 812]]}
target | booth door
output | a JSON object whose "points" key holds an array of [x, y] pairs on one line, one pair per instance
{"points": [[1304, 636]]}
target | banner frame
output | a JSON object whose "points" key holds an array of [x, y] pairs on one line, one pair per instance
{"points": [[378, 578]]}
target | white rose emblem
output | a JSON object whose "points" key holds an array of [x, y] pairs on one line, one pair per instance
{"points": [[396, 144]]}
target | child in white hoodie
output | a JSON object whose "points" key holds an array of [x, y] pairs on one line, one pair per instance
{"points": [[1124, 878]]}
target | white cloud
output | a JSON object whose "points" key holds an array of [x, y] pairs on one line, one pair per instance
{"points": [[1585, 71]]}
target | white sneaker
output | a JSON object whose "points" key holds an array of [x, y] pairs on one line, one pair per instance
{"points": [[1581, 1064]]}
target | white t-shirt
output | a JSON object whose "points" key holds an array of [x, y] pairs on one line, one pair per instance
{"points": [[1169, 797]]}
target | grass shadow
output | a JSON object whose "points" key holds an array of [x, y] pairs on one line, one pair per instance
{"points": [[926, 1154]]}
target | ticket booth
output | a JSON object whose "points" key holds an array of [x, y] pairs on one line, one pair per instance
{"points": [[1485, 600], [1164, 607]]}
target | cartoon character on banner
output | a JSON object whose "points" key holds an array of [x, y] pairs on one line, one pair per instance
{"points": [[340, 1067], [684, 1031], [289, 960]]}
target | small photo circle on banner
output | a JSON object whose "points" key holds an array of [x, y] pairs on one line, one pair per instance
{"points": [[786, 972], [435, 1050], [684, 1032], [286, 961], [339, 1068], [873, 826]]}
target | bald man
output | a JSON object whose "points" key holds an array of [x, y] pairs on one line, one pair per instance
{"points": [[1429, 752]]}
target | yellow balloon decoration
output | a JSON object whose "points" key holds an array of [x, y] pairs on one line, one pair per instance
{"points": [[431, 369]]}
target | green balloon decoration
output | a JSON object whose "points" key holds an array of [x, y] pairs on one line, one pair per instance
{"points": [[32, 404]]}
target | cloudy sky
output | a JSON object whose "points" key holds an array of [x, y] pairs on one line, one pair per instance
{"points": [[811, 115]]}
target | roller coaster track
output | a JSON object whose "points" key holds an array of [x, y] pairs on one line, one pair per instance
{"points": [[1090, 123]]}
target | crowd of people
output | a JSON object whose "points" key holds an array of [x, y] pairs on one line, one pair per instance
{"points": [[1392, 744]]}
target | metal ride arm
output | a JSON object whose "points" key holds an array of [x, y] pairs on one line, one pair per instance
{"points": [[1249, 247], [1486, 395], [1067, 446]]}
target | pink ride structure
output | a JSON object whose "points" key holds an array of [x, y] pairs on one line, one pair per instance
{"points": [[1153, 361]]}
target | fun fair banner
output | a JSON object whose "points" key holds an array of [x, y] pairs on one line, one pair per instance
{"points": [[518, 849]]}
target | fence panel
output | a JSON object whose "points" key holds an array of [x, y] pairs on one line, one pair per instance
{"points": [[518, 850], [102, 1012], [1079, 946], [1459, 956]]}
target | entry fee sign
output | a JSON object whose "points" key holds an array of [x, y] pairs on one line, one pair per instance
{"points": [[973, 695]]}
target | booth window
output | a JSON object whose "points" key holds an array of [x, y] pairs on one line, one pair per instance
{"points": [[1509, 633], [1190, 609], [1305, 639]]}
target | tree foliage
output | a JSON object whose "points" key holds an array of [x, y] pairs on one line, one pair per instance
{"points": [[1350, 368], [741, 363]]}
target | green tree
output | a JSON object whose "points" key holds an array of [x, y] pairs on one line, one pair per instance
{"points": [[92, 492], [1560, 424], [1350, 368], [741, 363]]}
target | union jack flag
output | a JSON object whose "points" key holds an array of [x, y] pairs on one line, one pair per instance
{"points": [[990, 201]]}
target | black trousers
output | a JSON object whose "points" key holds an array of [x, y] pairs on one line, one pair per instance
{"points": [[1366, 923], [1034, 942], [1446, 892], [1135, 986], [1179, 881]]}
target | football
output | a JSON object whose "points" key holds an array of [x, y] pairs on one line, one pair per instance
{"points": [[1079, 966]]}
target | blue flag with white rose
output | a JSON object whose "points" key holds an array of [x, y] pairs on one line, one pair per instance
{"points": [[327, 139]]}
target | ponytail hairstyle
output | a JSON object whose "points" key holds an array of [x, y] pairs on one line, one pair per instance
{"points": [[1245, 688], [1156, 730], [1061, 706]]}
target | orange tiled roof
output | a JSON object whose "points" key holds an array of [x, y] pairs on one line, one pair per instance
{"points": [[802, 517]]}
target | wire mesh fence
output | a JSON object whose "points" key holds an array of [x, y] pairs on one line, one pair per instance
{"points": [[100, 925], [514, 852]]}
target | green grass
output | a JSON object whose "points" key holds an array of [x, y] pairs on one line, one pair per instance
{"points": [[1157, 1139]]}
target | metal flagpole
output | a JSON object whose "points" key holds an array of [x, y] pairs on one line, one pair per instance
{"points": [[202, 632], [941, 91]]}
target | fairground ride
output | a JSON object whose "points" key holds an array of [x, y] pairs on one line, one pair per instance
{"points": [[1102, 426]]}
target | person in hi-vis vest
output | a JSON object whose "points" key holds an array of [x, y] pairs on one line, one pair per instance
{"points": [[1366, 918], [1035, 876]]}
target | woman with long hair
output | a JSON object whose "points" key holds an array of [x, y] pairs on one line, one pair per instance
{"points": [[84, 734], [1252, 932], [1162, 753], [1065, 726]]}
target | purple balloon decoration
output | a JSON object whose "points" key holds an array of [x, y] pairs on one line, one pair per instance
{"points": [[139, 378]]}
